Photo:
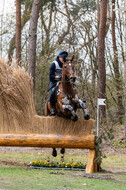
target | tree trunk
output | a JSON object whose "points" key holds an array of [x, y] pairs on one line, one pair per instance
{"points": [[18, 30], [32, 39], [118, 81], [25, 18], [101, 56], [125, 71]]}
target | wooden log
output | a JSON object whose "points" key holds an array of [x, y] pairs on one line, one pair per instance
{"points": [[50, 140], [91, 166]]}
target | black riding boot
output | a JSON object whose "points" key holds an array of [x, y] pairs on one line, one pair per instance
{"points": [[52, 102], [52, 112]]}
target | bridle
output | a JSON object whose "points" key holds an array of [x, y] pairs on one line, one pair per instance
{"points": [[68, 74]]}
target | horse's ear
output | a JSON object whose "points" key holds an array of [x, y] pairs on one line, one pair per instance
{"points": [[72, 58], [64, 59]]}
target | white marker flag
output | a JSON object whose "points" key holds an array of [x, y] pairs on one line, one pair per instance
{"points": [[101, 101]]}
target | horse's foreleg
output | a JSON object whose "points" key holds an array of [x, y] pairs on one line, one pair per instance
{"points": [[83, 106], [73, 114], [64, 107]]}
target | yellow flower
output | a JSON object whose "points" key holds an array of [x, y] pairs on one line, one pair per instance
{"points": [[45, 162], [74, 164], [50, 165], [67, 164], [71, 165]]}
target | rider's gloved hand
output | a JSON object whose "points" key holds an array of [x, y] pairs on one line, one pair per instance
{"points": [[58, 78]]}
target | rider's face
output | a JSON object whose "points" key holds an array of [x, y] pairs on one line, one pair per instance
{"points": [[61, 59]]}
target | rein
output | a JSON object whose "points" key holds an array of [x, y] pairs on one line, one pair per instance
{"points": [[59, 82]]}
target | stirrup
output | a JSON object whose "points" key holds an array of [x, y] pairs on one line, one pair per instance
{"points": [[52, 112]]}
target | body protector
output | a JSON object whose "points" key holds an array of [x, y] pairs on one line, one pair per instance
{"points": [[58, 69]]}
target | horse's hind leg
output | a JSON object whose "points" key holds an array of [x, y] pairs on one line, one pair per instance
{"points": [[47, 111], [83, 106], [54, 152], [62, 151]]}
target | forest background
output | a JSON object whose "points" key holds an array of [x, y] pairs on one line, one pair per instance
{"points": [[79, 27]]}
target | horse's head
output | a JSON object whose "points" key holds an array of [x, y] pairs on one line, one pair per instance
{"points": [[68, 70]]}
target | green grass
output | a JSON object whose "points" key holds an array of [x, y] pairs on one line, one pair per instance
{"points": [[23, 178], [12, 177], [27, 157], [115, 163]]}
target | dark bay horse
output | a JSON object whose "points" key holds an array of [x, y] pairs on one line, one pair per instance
{"points": [[67, 100]]}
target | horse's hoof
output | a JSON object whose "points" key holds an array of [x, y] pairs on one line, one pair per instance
{"points": [[87, 117], [74, 118], [62, 158], [54, 152], [62, 150]]}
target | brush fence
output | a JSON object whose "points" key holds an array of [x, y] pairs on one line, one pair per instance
{"points": [[56, 133]]}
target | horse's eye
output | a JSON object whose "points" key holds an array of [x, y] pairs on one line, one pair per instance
{"points": [[65, 67]]}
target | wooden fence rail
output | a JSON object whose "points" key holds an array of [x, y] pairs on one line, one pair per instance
{"points": [[54, 141]]}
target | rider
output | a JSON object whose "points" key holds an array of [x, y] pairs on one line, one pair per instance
{"points": [[55, 74]]}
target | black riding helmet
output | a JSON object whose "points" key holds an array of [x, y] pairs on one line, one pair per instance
{"points": [[63, 54]]}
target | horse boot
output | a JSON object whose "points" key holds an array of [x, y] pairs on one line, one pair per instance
{"points": [[54, 152], [62, 150]]}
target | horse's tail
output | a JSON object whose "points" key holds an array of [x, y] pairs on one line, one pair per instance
{"points": [[46, 109]]}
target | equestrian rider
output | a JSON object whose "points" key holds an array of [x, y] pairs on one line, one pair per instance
{"points": [[55, 74]]}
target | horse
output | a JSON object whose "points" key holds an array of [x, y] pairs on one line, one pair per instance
{"points": [[67, 99]]}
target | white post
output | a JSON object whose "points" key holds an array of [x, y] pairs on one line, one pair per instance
{"points": [[100, 102]]}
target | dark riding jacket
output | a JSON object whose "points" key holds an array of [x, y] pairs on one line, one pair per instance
{"points": [[55, 69]]}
